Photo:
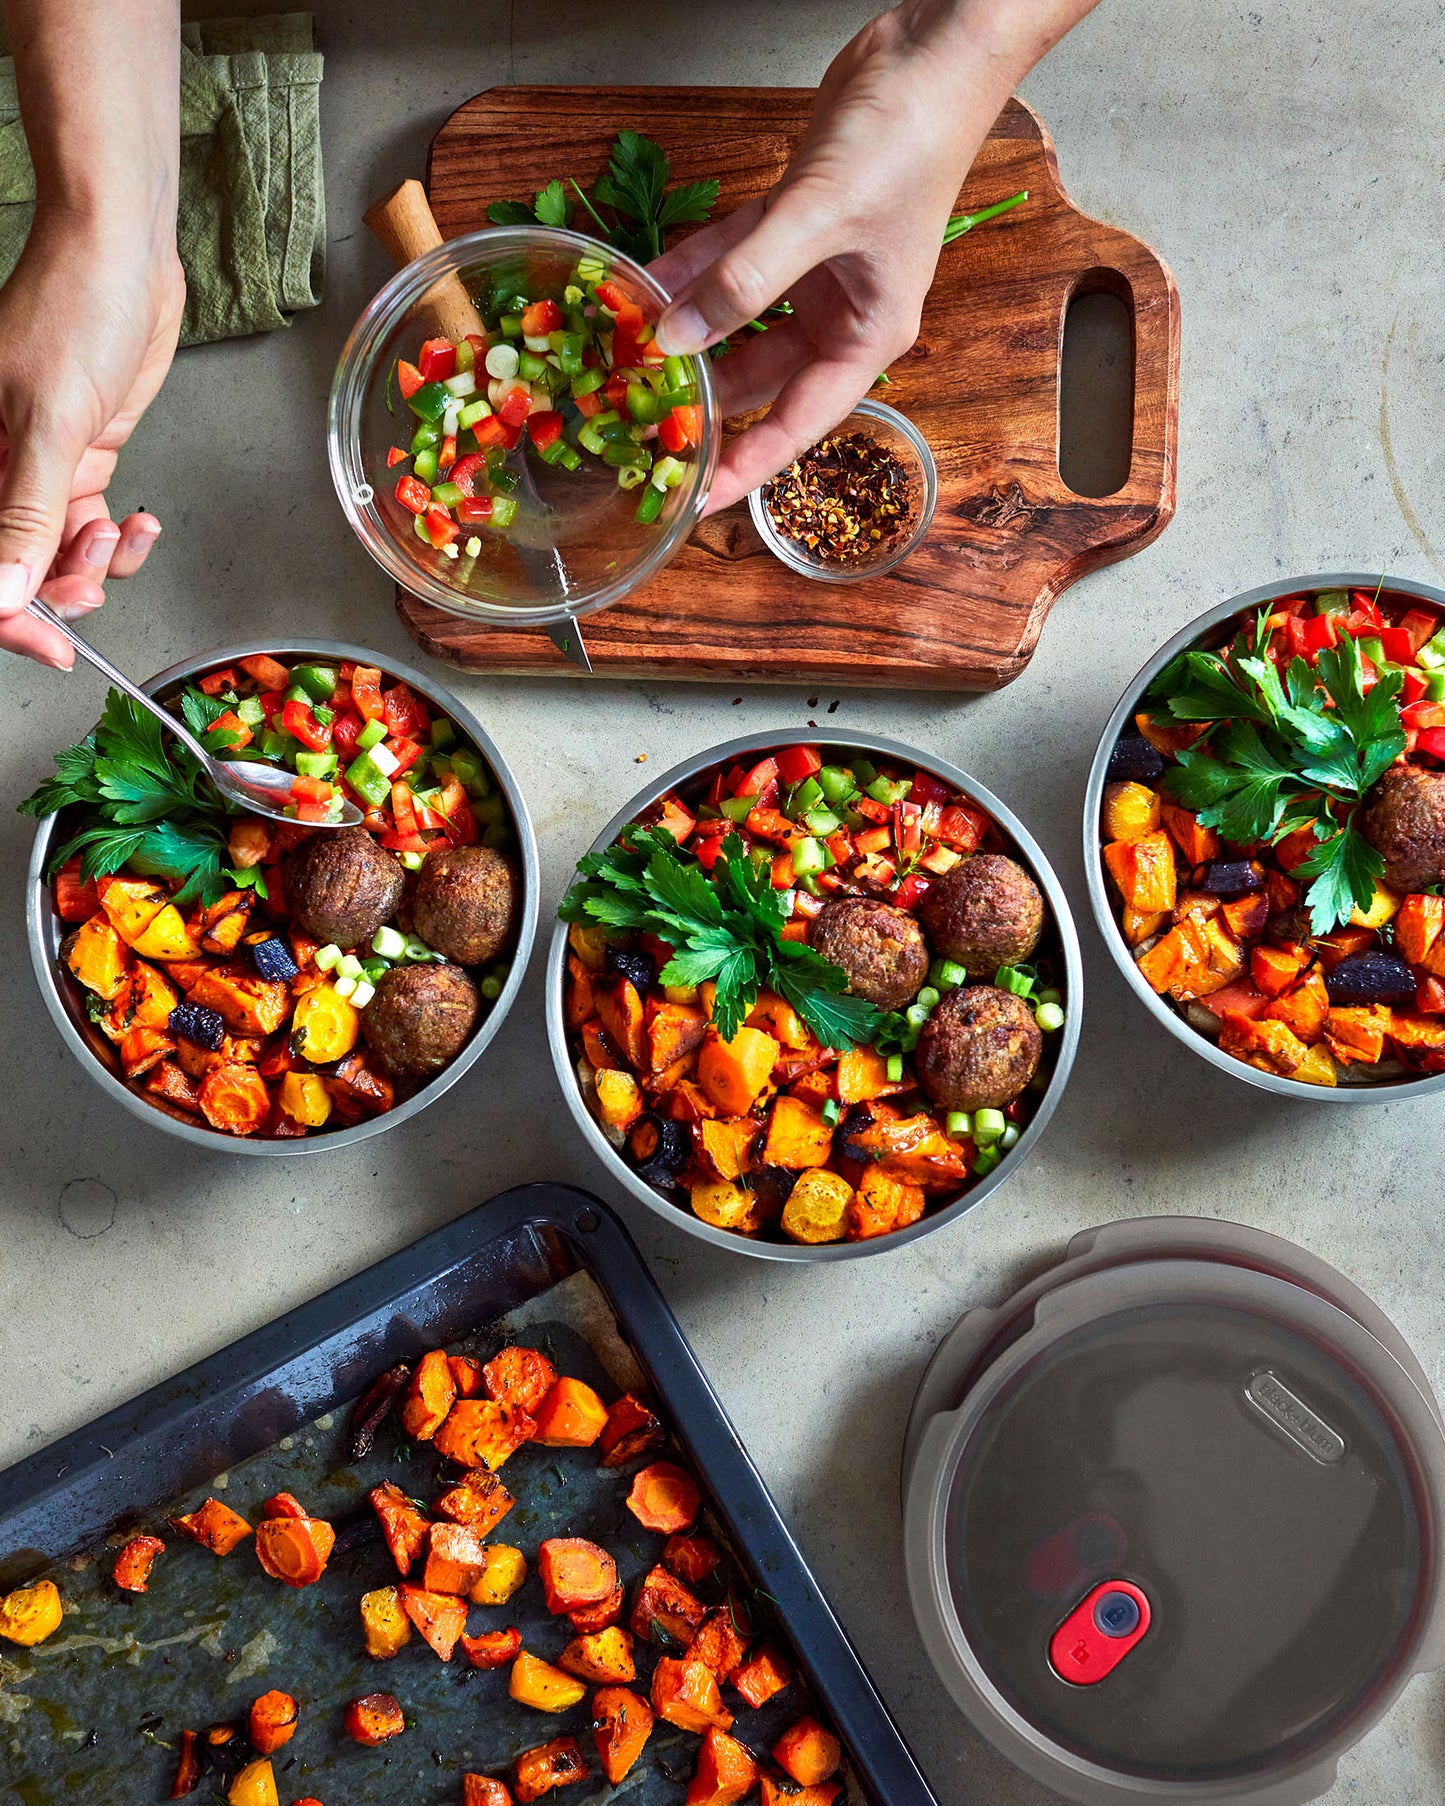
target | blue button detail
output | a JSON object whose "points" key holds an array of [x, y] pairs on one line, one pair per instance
{"points": [[1116, 1614]]}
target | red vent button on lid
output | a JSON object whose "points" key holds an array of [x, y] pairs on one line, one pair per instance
{"points": [[1100, 1631]]}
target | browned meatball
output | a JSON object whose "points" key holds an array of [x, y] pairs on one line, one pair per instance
{"points": [[465, 900], [978, 1050], [986, 913], [343, 886], [879, 946], [1406, 821], [420, 1018]]}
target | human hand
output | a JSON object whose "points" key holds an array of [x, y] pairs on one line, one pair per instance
{"points": [[852, 232], [88, 327]]}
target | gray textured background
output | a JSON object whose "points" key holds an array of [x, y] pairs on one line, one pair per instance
{"points": [[1285, 159]]}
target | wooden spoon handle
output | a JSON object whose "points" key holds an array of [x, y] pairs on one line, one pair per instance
{"points": [[403, 222]]}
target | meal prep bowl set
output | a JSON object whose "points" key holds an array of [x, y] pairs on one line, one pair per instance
{"points": [[1174, 1513]]}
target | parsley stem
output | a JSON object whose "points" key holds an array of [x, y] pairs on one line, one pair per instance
{"points": [[581, 196], [965, 222]]}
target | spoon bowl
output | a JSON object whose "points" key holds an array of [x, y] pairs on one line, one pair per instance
{"points": [[250, 783]]}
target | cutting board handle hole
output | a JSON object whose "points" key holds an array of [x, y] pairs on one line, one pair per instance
{"points": [[1096, 386]]}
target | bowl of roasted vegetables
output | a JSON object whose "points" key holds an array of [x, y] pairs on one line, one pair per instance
{"points": [[811, 999], [278, 987], [1265, 837], [540, 465]]}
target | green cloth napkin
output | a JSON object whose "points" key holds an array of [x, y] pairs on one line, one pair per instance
{"points": [[251, 219]]}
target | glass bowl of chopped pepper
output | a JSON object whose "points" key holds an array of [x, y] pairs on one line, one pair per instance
{"points": [[505, 436], [856, 503]]}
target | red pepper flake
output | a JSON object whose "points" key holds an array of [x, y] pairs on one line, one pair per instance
{"points": [[846, 499]]}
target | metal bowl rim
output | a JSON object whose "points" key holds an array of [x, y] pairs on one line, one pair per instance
{"points": [[1389, 1091], [37, 915], [1063, 919]]}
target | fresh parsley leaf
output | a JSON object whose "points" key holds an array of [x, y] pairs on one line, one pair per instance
{"points": [[552, 207], [1210, 691], [683, 889], [200, 711], [737, 990], [1240, 789], [512, 213], [1345, 868], [690, 204]]}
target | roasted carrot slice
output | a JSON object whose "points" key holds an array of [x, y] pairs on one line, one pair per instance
{"points": [[493, 1649], [589, 1618], [374, 1718], [430, 1396], [294, 1550], [272, 1721], [664, 1498], [520, 1377], [402, 1524], [481, 1433], [631, 1430], [808, 1752], [576, 1573]]}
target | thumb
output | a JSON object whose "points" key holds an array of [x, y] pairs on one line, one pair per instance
{"points": [[793, 236], [34, 496]]}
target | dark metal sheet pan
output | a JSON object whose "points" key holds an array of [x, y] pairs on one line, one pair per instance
{"points": [[270, 1412]]}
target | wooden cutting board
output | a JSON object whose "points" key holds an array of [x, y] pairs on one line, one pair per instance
{"points": [[964, 611]]}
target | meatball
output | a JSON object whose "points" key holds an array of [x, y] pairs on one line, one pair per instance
{"points": [[878, 945], [986, 913], [978, 1050], [1406, 821], [343, 886], [466, 898], [420, 1018]]}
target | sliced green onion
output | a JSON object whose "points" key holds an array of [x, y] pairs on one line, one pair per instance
{"points": [[988, 1125], [1049, 1017]]}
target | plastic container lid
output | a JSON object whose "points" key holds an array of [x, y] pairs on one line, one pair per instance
{"points": [[1180, 1539]]}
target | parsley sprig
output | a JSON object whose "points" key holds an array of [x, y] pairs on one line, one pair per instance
{"points": [[147, 803], [1286, 751], [725, 926], [634, 187]]}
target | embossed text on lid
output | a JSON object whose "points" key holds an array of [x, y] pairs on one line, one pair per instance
{"points": [[1268, 1393]]}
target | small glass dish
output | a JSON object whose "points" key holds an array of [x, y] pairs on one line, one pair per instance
{"points": [[897, 434], [577, 546]]}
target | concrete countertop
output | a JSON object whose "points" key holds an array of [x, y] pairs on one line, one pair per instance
{"points": [[1285, 159]]}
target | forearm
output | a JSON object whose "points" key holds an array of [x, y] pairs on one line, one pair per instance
{"points": [[99, 88]]}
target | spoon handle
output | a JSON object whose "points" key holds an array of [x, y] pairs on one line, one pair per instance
{"points": [[102, 664]]}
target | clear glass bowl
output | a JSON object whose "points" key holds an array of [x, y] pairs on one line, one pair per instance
{"points": [[575, 546], [897, 434]]}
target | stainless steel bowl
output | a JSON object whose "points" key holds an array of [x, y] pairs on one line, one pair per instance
{"points": [[1022, 842], [63, 997], [1382, 1092]]}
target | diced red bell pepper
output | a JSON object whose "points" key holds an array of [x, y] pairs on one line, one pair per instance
{"points": [[516, 405], [627, 346], [912, 891], [588, 405], [613, 296], [306, 789], [615, 389], [841, 846], [404, 712], [1364, 615], [272, 702], [680, 428], [238, 730], [438, 360], [928, 789], [707, 847], [1421, 625], [74, 900], [795, 763], [412, 493], [540, 318], [495, 431], [474, 510], [1320, 632], [366, 692], [865, 805], [545, 426], [1432, 741], [960, 828], [468, 472], [756, 781], [215, 681], [408, 378], [441, 529], [403, 809], [1423, 714], [784, 878], [406, 843], [405, 752], [297, 718], [1295, 640], [907, 836], [873, 840], [313, 812], [479, 344], [345, 732], [1398, 647], [395, 455], [447, 455], [1414, 686]]}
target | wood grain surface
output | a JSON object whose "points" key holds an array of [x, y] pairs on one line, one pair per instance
{"points": [[962, 612]]}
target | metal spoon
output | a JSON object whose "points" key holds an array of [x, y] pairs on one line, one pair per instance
{"points": [[263, 789]]}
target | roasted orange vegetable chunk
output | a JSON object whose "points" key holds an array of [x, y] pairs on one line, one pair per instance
{"points": [[403, 1525], [455, 1559], [481, 1433], [213, 1525], [808, 1752], [555, 1764], [133, 1564], [440, 1617], [519, 1377], [685, 1693], [571, 1416], [727, 1771], [632, 1428], [480, 1501], [604, 1656], [272, 1721], [761, 1675], [621, 1725], [374, 1719], [664, 1498], [575, 1573]]}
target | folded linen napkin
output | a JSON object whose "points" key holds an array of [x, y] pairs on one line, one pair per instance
{"points": [[251, 217]]}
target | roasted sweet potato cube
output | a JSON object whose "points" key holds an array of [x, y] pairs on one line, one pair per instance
{"points": [[621, 1725], [131, 904], [374, 1719], [732, 1074], [571, 1416], [1271, 1046], [1303, 1009], [1418, 927], [632, 1429], [619, 1009], [685, 1693], [97, 957], [384, 1624], [466, 1376], [403, 1524], [246, 1003], [538, 1684], [674, 1030], [1195, 842], [724, 1143], [692, 1558], [1275, 969], [798, 1136], [133, 1565], [440, 1617], [666, 1612], [762, 1674], [479, 1432], [586, 1620], [519, 1377], [559, 1763], [455, 1559], [719, 1644], [176, 1087], [1144, 871], [143, 1048], [215, 1526], [727, 1771], [1246, 916], [1357, 1036], [1130, 811], [430, 1396], [357, 1091], [226, 920], [808, 1752], [604, 1656], [480, 1501], [1138, 927], [1165, 964]]}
